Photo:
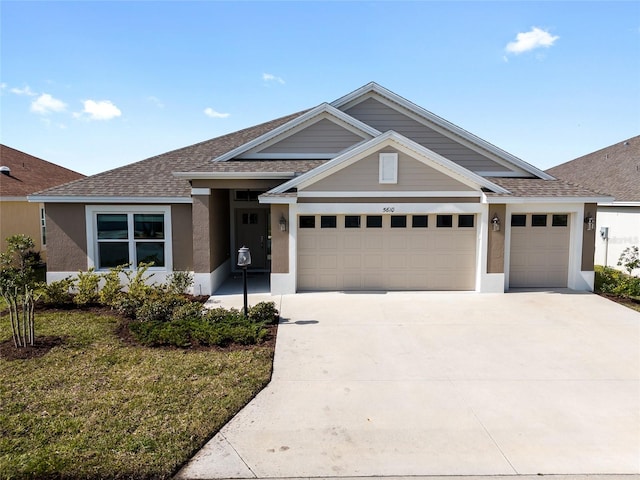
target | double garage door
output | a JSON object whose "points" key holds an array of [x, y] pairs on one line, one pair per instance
{"points": [[539, 250], [386, 252]]}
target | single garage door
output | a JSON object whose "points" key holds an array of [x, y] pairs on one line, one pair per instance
{"points": [[386, 252], [539, 250]]}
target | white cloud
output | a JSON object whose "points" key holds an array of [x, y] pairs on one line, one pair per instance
{"points": [[267, 77], [526, 41], [99, 110], [24, 91], [210, 112], [46, 104], [156, 101]]}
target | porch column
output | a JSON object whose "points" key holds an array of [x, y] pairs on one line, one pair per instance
{"points": [[202, 267]]}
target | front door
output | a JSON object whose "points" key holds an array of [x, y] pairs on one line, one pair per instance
{"points": [[251, 232]]}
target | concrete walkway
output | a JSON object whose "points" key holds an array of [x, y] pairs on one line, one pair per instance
{"points": [[427, 384]]}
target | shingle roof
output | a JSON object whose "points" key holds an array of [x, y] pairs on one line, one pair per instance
{"points": [[537, 187], [296, 166], [614, 170], [154, 177], [30, 174]]}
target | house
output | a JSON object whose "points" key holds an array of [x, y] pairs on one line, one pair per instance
{"points": [[616, 171], [369, 192], [20, 175]]}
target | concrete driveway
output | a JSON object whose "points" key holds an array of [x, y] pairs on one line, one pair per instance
{"points": [[404, 384]]}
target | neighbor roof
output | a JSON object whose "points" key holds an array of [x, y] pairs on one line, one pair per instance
{"points": [[154, 177], [614, 170], [537, 187], [30, 174]]}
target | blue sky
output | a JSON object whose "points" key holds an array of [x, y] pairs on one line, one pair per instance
{"points": [[96, 85]]}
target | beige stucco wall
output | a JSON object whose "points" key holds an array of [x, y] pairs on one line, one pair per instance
{"points": [[66, 237], [588, 239], [201, 233], [21, 217], [182, 237], [280, 239], [495, 252]]}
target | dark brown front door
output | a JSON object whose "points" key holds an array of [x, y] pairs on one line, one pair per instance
{"points": [[251, 232]]}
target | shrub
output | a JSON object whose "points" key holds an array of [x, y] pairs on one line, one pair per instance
{"points": [[57, 293], [179, 282], [614, 282], [264, 312], [87, 285], [158, 307], [630, 259], [188, 310], [111, 291]]}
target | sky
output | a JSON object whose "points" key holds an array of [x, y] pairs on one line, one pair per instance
{"points": [[96, 85]]}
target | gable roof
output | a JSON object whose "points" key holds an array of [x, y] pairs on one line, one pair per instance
{"points": [[321, 109], [30, 174], [398, 141], [614, 170], [153, 177], [446, 127]]}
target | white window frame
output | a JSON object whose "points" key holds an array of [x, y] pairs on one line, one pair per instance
{"points": [[388, 171], [91, 215], [43, 228]]}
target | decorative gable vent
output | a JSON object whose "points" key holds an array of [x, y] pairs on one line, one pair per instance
{"points": [[388, 168]]}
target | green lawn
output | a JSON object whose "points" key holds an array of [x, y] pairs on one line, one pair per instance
{"points": [[95, 407]]}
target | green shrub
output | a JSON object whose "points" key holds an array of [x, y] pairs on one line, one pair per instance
{"points": [[158, 307], [179, 282], [111, 291], [57, 293], [87, 285], [614, 282], [188, 310], [264, 312]]}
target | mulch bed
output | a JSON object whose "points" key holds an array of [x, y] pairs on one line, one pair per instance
{"points": [[621, 300], [42, 346]]}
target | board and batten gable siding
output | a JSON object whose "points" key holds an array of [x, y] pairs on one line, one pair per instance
{"points": [[323, 136], [385, 118], [363, 175]]}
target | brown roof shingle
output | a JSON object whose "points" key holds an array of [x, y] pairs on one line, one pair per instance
{"points": [[614, 170], [30, 174], [537, 187], [153, 177]]}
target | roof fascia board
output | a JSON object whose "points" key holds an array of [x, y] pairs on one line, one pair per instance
{"points": [[277, 200], [471, 140], [619, 204], [13, 199], [102, 199], [286, 156], [320, 109], [402, 143], [391, 194]]}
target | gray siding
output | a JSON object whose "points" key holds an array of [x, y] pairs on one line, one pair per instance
{"points": [[364, 176], [384, 118], [321, 137]]}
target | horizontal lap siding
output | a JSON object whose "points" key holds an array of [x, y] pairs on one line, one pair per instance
{"points": [[384, 118], [364, 176], [321, 137]]}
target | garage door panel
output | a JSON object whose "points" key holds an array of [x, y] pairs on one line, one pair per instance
{"points": [[386, 258], [539, 256]]}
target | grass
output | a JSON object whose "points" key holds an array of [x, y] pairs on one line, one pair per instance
{"points": [[96, 407]]}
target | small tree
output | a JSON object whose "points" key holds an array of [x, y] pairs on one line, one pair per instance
{"points": [[17, 284], [629, 259]]}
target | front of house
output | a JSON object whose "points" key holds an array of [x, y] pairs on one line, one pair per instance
{"points": [[369, 192]]}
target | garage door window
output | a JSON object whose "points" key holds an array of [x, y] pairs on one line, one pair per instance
{"points": [[444, 221], [560, 221], [465, 221], [374, 221], [419, 221], [538, 220], [518, 220], [399, 221], [307, 221], [352, 221], [328, 221]]}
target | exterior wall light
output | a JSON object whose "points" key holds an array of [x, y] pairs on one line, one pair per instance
{"points": [[283, 224], [590, 222], [244, 260], [495, 223]]}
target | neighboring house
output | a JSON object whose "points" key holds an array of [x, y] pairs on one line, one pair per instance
{"points": [[369, 192], [20, 175], [614, 170]]}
